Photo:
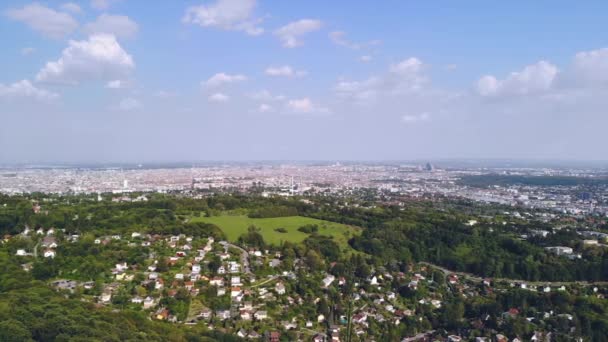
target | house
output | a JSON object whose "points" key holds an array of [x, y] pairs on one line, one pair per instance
{"points": [[148, 303], [318, 338], [279, 288], [274, 336], [241, 333], [221, 270], [328, 280], [162, 314], [106, 297], [501, 338], [122, 267], [137, 300], [159, 284], [21, 252], [205, 313], [223, 314], [234, 267], [196, 268], [216, 281], [246, 315], [189, 285], [221, 291], [260, 315], [49, 242], [135, 235], [49, 253], [274, 263], [320, 318], [235, 281], [235, 291]]}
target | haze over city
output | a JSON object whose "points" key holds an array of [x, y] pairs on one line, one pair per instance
{"points": [[131, 81]]}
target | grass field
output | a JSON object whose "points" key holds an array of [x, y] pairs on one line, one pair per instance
{"points": [[235, 226]]}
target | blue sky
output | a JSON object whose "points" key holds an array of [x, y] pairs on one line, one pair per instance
{"points": [[124, 80]]}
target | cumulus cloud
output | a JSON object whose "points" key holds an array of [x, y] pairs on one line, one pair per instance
{"points": [[27, 51], [165, 94], [223, 78], [102, 5], [265, 95], [120, 26], [291, 34], [25, 89], [532, 79], [98, 58], [339, 38], [305, 105], [406, 76], [409, 119], [71, 7], [218, 98], [591, 67], [265, 108], [232, 15], [115, 84], [284, 71], [47, 21], [129, 104]]}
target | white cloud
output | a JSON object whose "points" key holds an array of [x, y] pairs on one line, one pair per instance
{"points": [[71, 7], [98, 58], [28, 51], [402, 78], [223, 78], [339, 38], [285, 71], [305, 105], [25, 89], [47, 21], [266, 96], [115, 84], [164, 94], [232, 15], [265, 108], [532, 79], [291, 33], [365, 58], [408, 119], [407, 66], [129, 104], [119, 25], [219, 98], [591, 67], [102, 4]]}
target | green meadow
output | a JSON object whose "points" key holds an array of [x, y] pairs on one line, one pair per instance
{"points": [[235, 226]]}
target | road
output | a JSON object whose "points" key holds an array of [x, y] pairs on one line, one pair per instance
{"points": [[475, 278], [244, 256]]}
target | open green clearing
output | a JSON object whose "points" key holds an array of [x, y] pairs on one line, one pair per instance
{"points": [[235, 226]]}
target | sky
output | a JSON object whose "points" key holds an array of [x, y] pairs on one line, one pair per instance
{"points": [[167, 81]]}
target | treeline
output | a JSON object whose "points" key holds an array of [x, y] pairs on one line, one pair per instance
{"points": [[273, 211]]}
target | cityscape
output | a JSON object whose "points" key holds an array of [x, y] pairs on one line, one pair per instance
{"points": [[392, 179], [296, 171]]}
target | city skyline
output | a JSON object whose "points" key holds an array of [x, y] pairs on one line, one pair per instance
{"points": [[120, 81]]}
